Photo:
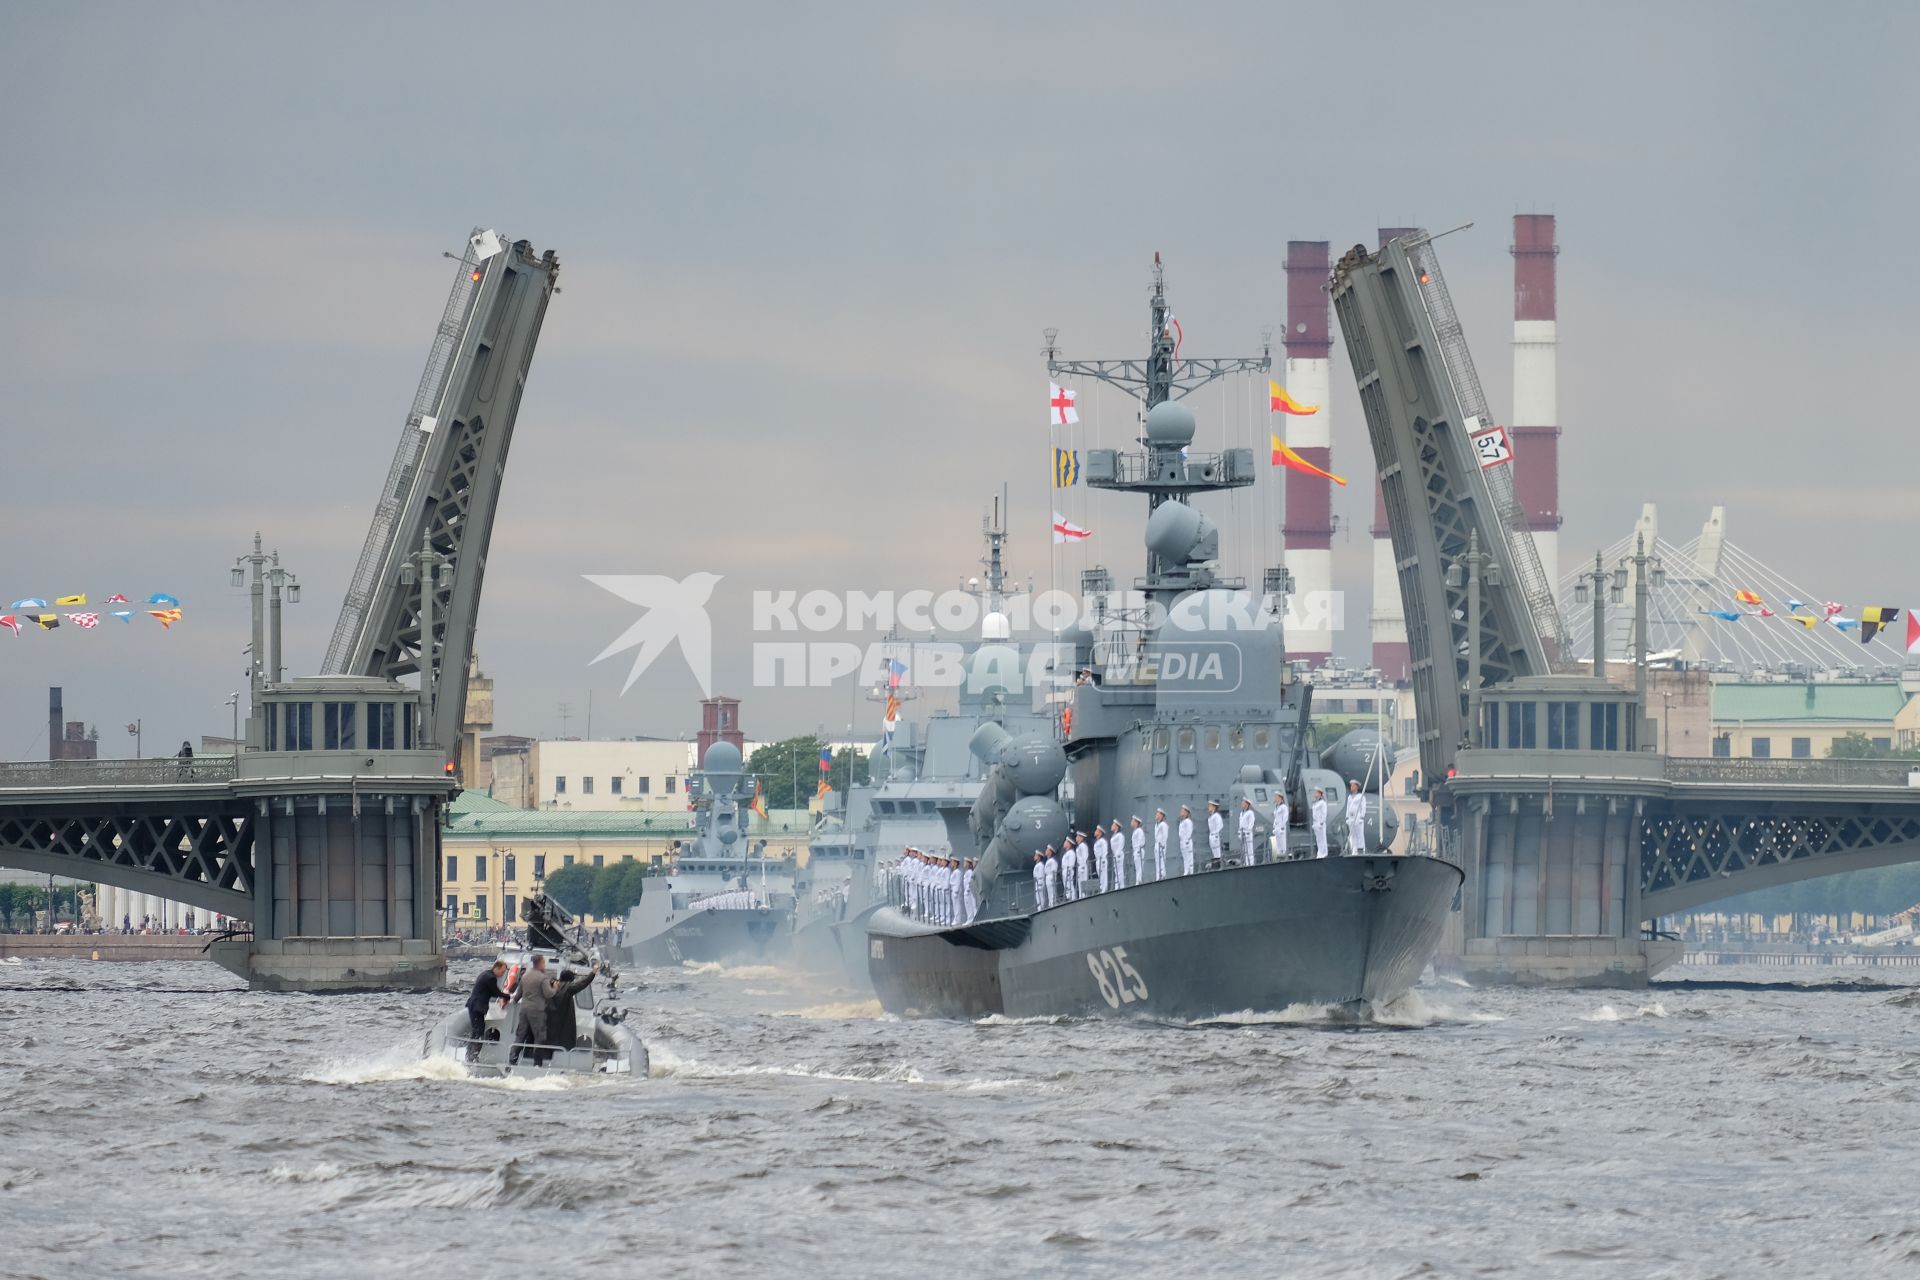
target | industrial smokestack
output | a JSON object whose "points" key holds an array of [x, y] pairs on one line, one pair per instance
{"points": [[1536, 390], [1389, 622], [56, 724], [1308, 529]]}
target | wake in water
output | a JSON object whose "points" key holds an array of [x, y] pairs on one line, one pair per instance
{"points": [[1607, 1013], [1406, 1012], [402, 1063], [667, 1063]]}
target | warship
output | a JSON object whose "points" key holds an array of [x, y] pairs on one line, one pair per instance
{"points": [[604, 1045], [923, 772], [718, 900], [1179, 697]]}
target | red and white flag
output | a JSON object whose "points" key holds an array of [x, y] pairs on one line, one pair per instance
{"points": [[1913, 634], [87, 620], [1065, 530], [11, 623], [1060, 410], [1833, 607]]}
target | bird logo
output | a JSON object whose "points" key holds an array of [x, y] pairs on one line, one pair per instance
{"points": [[675, 610]]}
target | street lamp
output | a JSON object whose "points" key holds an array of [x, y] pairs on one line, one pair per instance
{"points": [[283, 583], [1647, 573], [1598, 594], [134, 729]]}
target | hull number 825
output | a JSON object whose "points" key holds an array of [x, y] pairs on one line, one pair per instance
{"points": [[1120, 983]]}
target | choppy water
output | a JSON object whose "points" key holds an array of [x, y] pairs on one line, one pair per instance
{"points": [[155, 1119]]}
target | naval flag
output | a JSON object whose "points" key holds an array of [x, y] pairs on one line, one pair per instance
{"points": [[1875, 618], [1913, 634], [1060, 410], [1066, 468], [1278, 401], [1285, 457], [1065, 530]]}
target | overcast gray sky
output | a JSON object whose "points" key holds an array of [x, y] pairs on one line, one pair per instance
{"points": [[807, 255]]}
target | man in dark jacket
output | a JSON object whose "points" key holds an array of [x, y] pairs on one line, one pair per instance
{"points": [[537, 995], [486, 989]]}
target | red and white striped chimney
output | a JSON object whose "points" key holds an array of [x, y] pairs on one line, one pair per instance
{"points": [[1536, 388], [1308, 528], [1389, 619]]}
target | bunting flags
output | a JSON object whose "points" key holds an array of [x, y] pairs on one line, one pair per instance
{"points": [[1913, 634], [1060, 410], [86, 621], [47, 621], [759, 803], [64, 601], [36, 610], [1845, 624], [1725, 615], [1875, 617], [31, 602], [162, 598], [165, 617], [1278, 401], [1806, 620], [1285, 457], [1065, 530], [11, 623], [1794, 606], [115, 598], [125, 615], [1832, 607], [1066, 468], [1747, 597]]}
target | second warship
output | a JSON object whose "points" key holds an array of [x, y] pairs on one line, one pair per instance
{"points": [[1183, 699]]}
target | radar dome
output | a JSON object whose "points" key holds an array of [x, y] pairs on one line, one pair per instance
{"points": [[1170, 424], [996, 627], [722, 757]]}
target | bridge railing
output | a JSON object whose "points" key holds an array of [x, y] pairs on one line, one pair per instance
{"points": [[168, 771], [1792, 773]]}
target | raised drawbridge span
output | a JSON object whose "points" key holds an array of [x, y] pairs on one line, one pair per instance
{"points": [[1576, 833], [323, 831]]}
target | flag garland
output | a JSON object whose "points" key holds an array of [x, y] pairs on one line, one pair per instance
{"points": [[35, 610], [1873, 620]]}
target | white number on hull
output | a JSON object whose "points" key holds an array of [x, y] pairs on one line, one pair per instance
{"points": [[1120, 983]]}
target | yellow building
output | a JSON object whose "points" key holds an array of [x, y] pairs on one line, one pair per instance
{"points": [[1802, 721], [493, 854]]}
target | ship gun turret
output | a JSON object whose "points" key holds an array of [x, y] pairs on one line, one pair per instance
{"points": [[1016, 813]]}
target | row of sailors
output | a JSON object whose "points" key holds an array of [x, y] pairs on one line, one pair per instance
{"points": [[938, 890], [1067, 874], [732, 900]]}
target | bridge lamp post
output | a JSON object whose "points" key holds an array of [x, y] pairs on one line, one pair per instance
{"points": [[283, 583], [1593, 586], [134, 730], [1643, 566], [250, 571]]}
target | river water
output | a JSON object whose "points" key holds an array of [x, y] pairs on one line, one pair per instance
{"points": [[155, 1118]]}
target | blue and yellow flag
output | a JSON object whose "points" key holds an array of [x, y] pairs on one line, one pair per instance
{"points": [[1066, 468]]}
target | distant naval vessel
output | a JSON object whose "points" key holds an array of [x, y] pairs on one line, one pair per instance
{"points": [[1183, 697], [719, 900], [927, 771]]}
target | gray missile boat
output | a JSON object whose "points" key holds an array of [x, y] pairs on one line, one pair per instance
{"points": [[1188, 698], [721, 900]]}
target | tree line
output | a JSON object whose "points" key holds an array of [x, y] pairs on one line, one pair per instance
{"points": [[608, 891], [25, 902]]}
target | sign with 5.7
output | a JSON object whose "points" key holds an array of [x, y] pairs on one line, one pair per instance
{"points": [[1120, 983]]}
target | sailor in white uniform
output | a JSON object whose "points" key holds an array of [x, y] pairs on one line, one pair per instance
{"points": [[1139, 851], [1248, 821], [1356, 819], [1069, 878], [1318, 813], [1159, 844], [1040, 879], [1100, 858], [969, 901], [1216, 825], [1186, 839], [1282, 813], [1053, 877], [1117, 850], [1083, 866]]}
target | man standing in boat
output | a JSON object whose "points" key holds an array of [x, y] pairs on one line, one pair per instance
{"points": [[486, 989]]}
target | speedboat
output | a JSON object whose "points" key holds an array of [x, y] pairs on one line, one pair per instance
{"points": [[597, 1043]]}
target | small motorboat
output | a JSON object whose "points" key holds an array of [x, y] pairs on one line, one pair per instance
{"points": [[597, 1043]]}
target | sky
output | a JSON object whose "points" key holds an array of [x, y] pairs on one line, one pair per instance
{"points": [[808, 253]]}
